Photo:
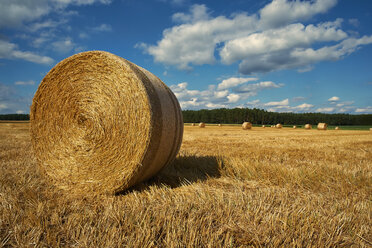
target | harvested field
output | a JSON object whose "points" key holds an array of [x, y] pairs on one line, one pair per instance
{"points": [[226, 188]]}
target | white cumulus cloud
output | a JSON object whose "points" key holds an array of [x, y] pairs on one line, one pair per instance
{"points": [[326, 109], [273, 39], [30, 82], [334, 99], [285, 102], [366, 110], [10, 51], [234, 81]]}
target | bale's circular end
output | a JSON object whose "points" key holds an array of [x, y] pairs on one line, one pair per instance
{"points": [[101, 123], [294, 127], [278, 125], [202, 125], [308, 126], [246, 125]]}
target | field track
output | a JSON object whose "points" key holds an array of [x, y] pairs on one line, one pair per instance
{"points": [[228, 187]]}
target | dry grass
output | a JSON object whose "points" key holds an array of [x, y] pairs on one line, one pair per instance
{"points": [[227, 188]]}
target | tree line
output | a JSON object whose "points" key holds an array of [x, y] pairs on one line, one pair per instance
{"points": [[255, 116], [261, 116], [15, 117]]}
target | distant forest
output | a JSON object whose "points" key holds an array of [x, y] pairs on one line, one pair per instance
{"points": [[15, 117], [255, 116], [260, 116]]}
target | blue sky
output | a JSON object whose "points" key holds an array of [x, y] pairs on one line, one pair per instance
{"points": [[283, 56]]}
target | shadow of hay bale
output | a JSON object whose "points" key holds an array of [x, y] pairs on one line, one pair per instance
{"points": [[183, 170]]}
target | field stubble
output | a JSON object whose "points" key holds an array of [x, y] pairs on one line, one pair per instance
{"points": [[228, 187]]}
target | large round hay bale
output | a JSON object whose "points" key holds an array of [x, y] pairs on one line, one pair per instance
{"points": [[246, 125], [193, 124], [370, 129], [219, 125], [337, 128], [263, 126], [294, 127], [322, 126], [279, 125], [308, 126], [202, 125], [100, 123]]}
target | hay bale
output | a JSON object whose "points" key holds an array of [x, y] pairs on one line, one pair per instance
{"points": [[100, 123], [370, 129], [219, 125], [263, 126], [308, 126], [246, 125], [322, 126], [279, 125], [193, 124], [337, 128], [294, 127], [202, 125]]}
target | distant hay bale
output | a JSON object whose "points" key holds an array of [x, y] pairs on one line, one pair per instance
{"points": [[219, 125], [308, 126], [279, 125], [323, 126], [246, 125], [202, 125], [294, 127], [370, 129], [263, 126], [193, 124], [337, 128], [101, 124]]}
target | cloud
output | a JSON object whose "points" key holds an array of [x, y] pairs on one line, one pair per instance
{"points": [[354, 22], [30, 82], [282, 12], [341, 104], [10, 51], [103, 28], [304, 107], [285, 102], [254, 88], [198, 12], [228, 95], [327, 109], [233, 98], [334, 99], [233, 81], [14, 13], [63, 46], [298, 98], [194, 42], [366, 110], [268, 41], [11, 101]]}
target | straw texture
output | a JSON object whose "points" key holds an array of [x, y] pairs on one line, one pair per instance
{"points": [[308, 126], [246, 125], [202, 125], [101, 123], [323, 126]]}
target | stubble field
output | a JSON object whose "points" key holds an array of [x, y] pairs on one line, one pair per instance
{"points": [[227, 188]]}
